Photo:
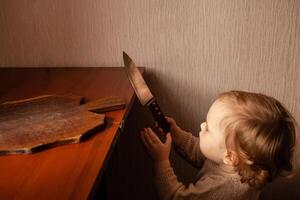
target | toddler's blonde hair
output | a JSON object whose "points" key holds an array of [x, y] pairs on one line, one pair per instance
{"points": [[263, 133]]}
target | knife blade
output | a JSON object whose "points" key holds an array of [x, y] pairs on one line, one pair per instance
{"points": [[143, 92]]}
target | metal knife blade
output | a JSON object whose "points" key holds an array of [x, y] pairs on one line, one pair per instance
{"points": [[138, 83], [143, 92]]}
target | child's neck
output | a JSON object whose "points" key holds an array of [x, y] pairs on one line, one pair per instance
{"points": [[230, 169]]}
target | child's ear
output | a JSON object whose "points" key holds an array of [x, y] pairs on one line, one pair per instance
{"points": [[231, 158]]}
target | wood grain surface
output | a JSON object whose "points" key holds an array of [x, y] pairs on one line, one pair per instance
{"points": [[41, 122], [69, 171]]}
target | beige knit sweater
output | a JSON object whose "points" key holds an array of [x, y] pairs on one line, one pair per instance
{"points": [[212, 183]]}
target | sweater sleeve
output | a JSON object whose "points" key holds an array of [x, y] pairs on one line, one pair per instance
{"points": [[188, 147], [169, 188]]}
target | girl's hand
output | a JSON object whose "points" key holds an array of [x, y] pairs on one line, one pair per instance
{"points": [[175, 130], [158, 150]]}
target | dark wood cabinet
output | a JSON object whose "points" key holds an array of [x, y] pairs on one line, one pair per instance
{"points": [[129, 172]]}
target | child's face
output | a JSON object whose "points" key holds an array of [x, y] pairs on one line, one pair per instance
{"points": [[212, 137]]}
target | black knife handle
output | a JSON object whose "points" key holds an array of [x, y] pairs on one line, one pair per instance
{"points": [[159, 116]]}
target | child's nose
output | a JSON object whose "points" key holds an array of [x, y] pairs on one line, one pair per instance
{"points": [[203, 126]]}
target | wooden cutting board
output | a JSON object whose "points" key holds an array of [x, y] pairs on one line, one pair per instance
{"points": [[30, 125]]}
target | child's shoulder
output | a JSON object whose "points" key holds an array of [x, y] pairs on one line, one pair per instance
{"points": [[220, 182], [219, 186]]}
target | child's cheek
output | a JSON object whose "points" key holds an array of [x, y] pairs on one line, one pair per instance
{"points": [[202, 139], [201, 134], [203, 145]]}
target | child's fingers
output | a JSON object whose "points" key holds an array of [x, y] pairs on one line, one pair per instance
{"points": [[157, 127], [170, 119], [159, 130], [149, 139], [153, 136], [150, 144], [144, 140], [168, 139]]}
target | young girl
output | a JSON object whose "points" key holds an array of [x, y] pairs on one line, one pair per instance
{"points": [[247, 140]]}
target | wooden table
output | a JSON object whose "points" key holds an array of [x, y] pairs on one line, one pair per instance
{"points": [[69, 171]]}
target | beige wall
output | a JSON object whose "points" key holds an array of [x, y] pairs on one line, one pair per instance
{"points": [[192, 49]]}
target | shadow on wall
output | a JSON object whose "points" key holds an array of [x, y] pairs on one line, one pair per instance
{"points": [[282, 188], [286, 188]]}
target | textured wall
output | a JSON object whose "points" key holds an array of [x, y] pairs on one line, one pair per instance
{"points": [[192, 49]]}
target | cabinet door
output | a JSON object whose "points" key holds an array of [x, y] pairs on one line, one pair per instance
{"points": [[129, 172]]}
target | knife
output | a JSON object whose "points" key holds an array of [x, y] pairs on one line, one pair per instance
{"points": [[143, 93]]}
